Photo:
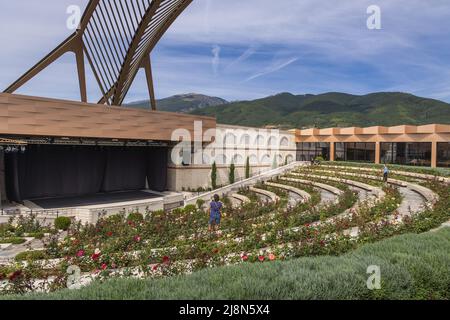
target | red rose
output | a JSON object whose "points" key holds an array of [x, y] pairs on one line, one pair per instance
{"points": [[109, 234], [261, 258], [104, 266], [137, 238], [166, 259], [80, 253], [155, 267], [95, 256], [244, 257], [13, 276]]}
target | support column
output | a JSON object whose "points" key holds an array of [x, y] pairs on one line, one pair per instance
{"points": [[79, 55], [332, 151], [377, 152], [2, 178], [434, 154], [146, 64]]}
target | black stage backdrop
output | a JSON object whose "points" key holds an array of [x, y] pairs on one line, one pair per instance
{"points": [[49, 171]]}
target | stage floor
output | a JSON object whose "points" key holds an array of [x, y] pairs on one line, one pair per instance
{"points": [[95, 199]]}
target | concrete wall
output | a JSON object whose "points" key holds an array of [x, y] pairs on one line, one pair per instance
{"points": [[265, 176], [194, 177]]}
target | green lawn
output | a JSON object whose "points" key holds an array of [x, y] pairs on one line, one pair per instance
{"points": [[412, 267]]}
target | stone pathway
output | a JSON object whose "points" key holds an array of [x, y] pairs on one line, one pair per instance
{"points": [[412, 202], [327, 197], [363, 194], [9, 253], [294, 199]]}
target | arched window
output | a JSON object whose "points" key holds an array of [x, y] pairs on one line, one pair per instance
{"points": [[265, 159], [230, 139], [259, 140], [253, 159], [238, 159], [272, 142], [284, 142], [245, 140]]}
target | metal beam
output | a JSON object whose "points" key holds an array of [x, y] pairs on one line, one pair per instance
{"points": [[117, 38], [147, 66]]}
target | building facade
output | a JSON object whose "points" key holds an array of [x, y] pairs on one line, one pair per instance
{"points": [[263, 149], [427, 145]]}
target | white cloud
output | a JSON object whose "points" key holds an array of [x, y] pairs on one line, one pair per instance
{"points": [[216, 59], [244, 56], [274, 67]]}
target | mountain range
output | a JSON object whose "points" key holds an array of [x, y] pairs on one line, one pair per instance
{"points": [[334, 109], [181, 103]]}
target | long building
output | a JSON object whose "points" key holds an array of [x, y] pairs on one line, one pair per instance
{"points": [[427, 145]]}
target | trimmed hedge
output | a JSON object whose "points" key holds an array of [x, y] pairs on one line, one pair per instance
{"points": [[31, 255], [412, 267], [62, 223]]}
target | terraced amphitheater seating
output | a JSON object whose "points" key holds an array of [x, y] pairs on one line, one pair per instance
{"points": [[272, 196], [378, 193], [303, 194], [232, 188], [430, 196], [398, 183], [243, 199], [319, 185], [397, 172]]}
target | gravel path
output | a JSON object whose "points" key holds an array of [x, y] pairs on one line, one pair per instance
{"points": [[412, 202], [327, 196]]}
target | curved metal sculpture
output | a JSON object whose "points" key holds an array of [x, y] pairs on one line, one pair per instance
{"points": [[117, 38]]}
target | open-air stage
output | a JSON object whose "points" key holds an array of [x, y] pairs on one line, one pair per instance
{"points": [[112, 198]]}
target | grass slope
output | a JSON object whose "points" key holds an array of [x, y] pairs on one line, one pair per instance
{"points": [[331, 109], [412, 267]]}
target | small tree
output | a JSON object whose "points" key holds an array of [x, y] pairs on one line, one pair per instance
{"points": [[231, 176], [275, 162], [247, 168], [214, 176]]}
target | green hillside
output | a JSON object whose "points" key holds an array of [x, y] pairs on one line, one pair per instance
{"points": [[331, 109]]}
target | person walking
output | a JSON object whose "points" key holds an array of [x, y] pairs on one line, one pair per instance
{"points": [[385, 173], [215, 213]]}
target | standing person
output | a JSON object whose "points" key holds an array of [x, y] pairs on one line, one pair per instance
{"points": [[385, 173], [215, 213]]}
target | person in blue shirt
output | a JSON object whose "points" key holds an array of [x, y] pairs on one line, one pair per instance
{"points": [[215, 213], [385, 173]]}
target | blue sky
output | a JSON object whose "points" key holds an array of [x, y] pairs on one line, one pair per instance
{"points": [[254, 48]]}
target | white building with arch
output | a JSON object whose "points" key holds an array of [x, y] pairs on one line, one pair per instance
{"points": [[263, 148]]}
